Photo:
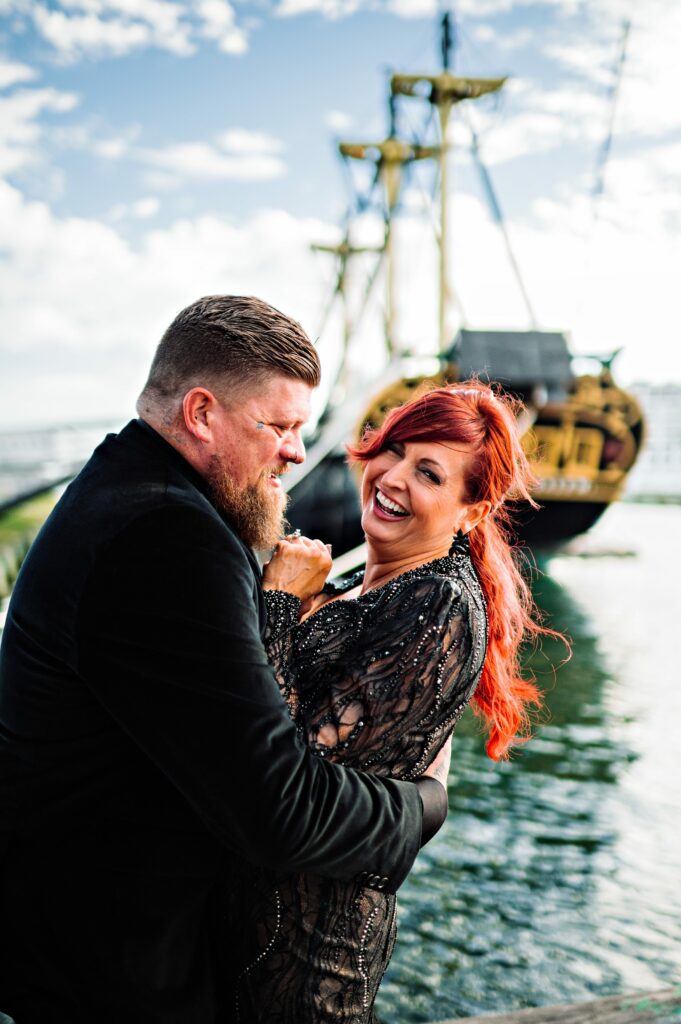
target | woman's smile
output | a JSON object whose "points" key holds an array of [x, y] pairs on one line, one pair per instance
{"points": [[413, 493], [387, 508]]}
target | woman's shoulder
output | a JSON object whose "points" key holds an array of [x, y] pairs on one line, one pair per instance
{"points": [[440, 593], [437, 589], [449, 576]]}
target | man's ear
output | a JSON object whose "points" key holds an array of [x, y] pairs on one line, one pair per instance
{"points": [[198, 409]]}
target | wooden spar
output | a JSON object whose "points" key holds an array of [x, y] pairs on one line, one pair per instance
{"points": [[662, 1007], [445, 90], [390, 157]]}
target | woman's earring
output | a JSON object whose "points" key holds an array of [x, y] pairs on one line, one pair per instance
{"points": [[460, 544]]}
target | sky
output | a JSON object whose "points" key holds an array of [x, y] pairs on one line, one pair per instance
{"points": [[153, 151]]}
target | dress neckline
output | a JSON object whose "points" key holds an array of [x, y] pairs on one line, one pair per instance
{"points": [[445, 565]]}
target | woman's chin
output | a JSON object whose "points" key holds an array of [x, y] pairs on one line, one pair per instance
{"points": [[379, 529]]}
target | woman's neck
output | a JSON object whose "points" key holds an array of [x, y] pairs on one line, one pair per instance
{"points": [[381, 567]]}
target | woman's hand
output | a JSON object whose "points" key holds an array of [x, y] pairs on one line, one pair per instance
{"points": [[439, 768], [299, 566]]}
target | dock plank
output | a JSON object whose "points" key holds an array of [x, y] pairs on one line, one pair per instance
{"points": [[662, 1007]]}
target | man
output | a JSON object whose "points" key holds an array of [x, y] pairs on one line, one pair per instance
{"points": [[142, 734]]}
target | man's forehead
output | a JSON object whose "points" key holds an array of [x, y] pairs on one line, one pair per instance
{"points": [[282, 396]]}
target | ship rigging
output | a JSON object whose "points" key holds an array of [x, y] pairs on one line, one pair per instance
{"points": [[583, 432]]}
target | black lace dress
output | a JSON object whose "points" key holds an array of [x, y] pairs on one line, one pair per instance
{"points": [[377, 682]]}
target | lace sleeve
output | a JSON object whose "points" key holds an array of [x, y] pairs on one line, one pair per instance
{"points": [[283, 610], [414, 660]]}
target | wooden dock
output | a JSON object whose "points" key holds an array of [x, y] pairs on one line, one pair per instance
{"points": [[663, 1007]]}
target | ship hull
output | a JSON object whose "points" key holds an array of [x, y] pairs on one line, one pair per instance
{"points": [[555, 522]]}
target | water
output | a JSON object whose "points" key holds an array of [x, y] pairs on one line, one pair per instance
{"points": [[34, 457], [557, 877]]}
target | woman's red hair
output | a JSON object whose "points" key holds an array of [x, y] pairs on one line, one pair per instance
{"points": [[471, 413]]}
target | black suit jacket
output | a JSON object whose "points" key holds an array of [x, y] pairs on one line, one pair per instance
{"points": [[142, 736]]}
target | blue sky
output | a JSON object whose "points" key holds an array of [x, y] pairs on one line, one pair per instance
{"points": [[155, 150]]}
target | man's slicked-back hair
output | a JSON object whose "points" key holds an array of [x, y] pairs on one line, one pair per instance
{"points": [[235, 339]]}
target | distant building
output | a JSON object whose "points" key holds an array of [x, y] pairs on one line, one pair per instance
{"points": [[657, 474], [33, 457]]}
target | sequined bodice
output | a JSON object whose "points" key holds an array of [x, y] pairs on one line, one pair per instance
{"points": [[378, 681], [374, 682]]}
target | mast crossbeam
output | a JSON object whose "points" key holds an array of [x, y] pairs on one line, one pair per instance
{"points": [[445, 88]]}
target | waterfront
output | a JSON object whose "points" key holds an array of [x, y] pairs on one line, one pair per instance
{"points": [[556, 877]]}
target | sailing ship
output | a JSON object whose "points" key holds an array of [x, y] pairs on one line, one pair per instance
{"points": [[582, 432]]}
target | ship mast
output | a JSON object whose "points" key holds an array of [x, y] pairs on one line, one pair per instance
{"points": [[390, 158], [446, 90], [343, 252]]}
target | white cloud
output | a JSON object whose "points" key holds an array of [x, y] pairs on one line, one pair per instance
{"points": [[328, 8], [241, 140], [141, 209], [20, 131], [338, 121], [591, 60], [590, 46], [651, 83], [113, 148], [237, 155], [413, 8], [507, 41], [146, 207], [75, 294], [608, 288], [13, 72], [537, 120], [114, 27], [202, 162], [88, 135], [219, 23], [400, 8], [102, 303], [72, 36], [78, 28]]}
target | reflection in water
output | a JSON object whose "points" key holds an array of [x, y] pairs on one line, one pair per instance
{"points": [[556, 876]]}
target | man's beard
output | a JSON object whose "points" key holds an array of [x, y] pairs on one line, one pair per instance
{"points": [[256, 512]]}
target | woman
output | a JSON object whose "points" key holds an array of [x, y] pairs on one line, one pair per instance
{"points": [[378, 669]]}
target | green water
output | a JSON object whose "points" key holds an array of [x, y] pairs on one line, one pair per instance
{"points": [[557, 877]]}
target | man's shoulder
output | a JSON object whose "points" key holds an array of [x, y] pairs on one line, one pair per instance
{"points": [[130, 489], [132, 475]]}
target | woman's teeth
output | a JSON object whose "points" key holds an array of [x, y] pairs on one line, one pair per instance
{"points": [[386, 505]]}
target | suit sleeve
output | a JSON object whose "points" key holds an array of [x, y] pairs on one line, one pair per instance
{"points": [[169, 644]]}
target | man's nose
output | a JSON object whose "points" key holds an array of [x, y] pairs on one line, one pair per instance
{"points": [[293, 450]]}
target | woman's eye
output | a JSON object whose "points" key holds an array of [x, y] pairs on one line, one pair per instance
{"points": [[431, 476]]}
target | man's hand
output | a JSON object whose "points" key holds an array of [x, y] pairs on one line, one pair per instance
{"points": [[439, 768], [299, 566]]}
